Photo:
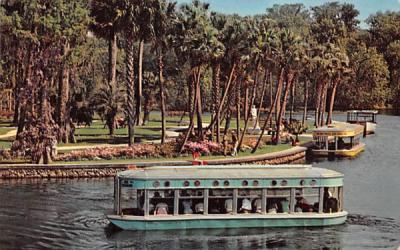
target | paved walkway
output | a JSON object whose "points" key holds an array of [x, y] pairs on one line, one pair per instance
{"points": [[9, 134]]}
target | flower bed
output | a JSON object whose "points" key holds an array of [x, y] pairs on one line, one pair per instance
{"points": [[167, 150]]}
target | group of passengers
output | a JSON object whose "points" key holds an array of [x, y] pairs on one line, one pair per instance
{"points": [[160, 206]]}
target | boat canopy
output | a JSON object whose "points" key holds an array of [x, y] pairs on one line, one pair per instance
{"points": [[375, 112], [339, 130], [228, 172], [231, 176]]}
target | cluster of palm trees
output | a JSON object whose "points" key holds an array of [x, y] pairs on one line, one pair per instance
{"points": [[244, 54], [239, 60]]}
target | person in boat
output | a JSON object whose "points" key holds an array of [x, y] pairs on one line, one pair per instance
{"points": [[303, 205], [284, 206], [273, 207], [228, 206], [330, 202], [161, 209], [187, 207], [257, 206], [341, 144], [199, 208], [215, 206], [246, 206]]}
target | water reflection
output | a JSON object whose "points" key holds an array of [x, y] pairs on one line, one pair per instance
{"points": [[316, 238]]}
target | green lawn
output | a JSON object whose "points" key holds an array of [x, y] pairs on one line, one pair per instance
{"points": [[5, 143]]}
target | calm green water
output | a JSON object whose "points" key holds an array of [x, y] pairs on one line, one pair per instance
{"points": [[70, 214]]}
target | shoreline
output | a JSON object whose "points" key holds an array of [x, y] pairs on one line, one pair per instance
{"points": [[292, 155]]}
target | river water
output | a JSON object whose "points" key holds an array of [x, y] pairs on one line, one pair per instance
{"points": [[70, 214]]}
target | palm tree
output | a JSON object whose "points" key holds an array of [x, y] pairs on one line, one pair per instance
{"points": [[289, 55], [145, 20], [107, 15], [108, 102], [164, 22], [195, 40], [219, 21]]}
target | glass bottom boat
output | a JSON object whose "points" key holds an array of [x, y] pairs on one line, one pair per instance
{"points": [[339, 139], [367, 118], [235, 196]]}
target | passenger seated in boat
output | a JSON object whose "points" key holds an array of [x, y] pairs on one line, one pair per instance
{"points": [[341, 144], [332, 205], [228, 206], [161, 209], [246, 206], [303, 204], [199, 208], [257, 206], [187, 207], [284, 206], [273, 208], [215, 206]]}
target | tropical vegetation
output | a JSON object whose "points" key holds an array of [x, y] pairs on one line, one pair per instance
{"points": [[70, 61]]}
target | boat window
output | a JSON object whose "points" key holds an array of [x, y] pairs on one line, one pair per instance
{"points": [[333, 199], [245, 183], [167, 184], [278, 200], [249, 200], [226, 183], [220, 201], [161, 202], [130, 201], [191, 201], [320, 142], [307, 200]]}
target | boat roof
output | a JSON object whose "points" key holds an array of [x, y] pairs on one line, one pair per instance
{"points": [[363, 111], [340, 129], [229, 172]]}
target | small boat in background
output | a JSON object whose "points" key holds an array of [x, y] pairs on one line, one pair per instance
{"points": [[339, 139], [367, 118]]}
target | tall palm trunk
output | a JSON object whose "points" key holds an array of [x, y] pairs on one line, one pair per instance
{"points": [[318, 93], [332, 100], [261, 99], [252, 98], [139, 93], [192, 109], [130, 86], [216, 98], [199, 111], [271, 82], [237, 97], [63, 98], [289, 82], [246, 103], [226, 91], [292, 95], [323, 104], [112, 59], [271, 109], [305, 102], [162, 96]]}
